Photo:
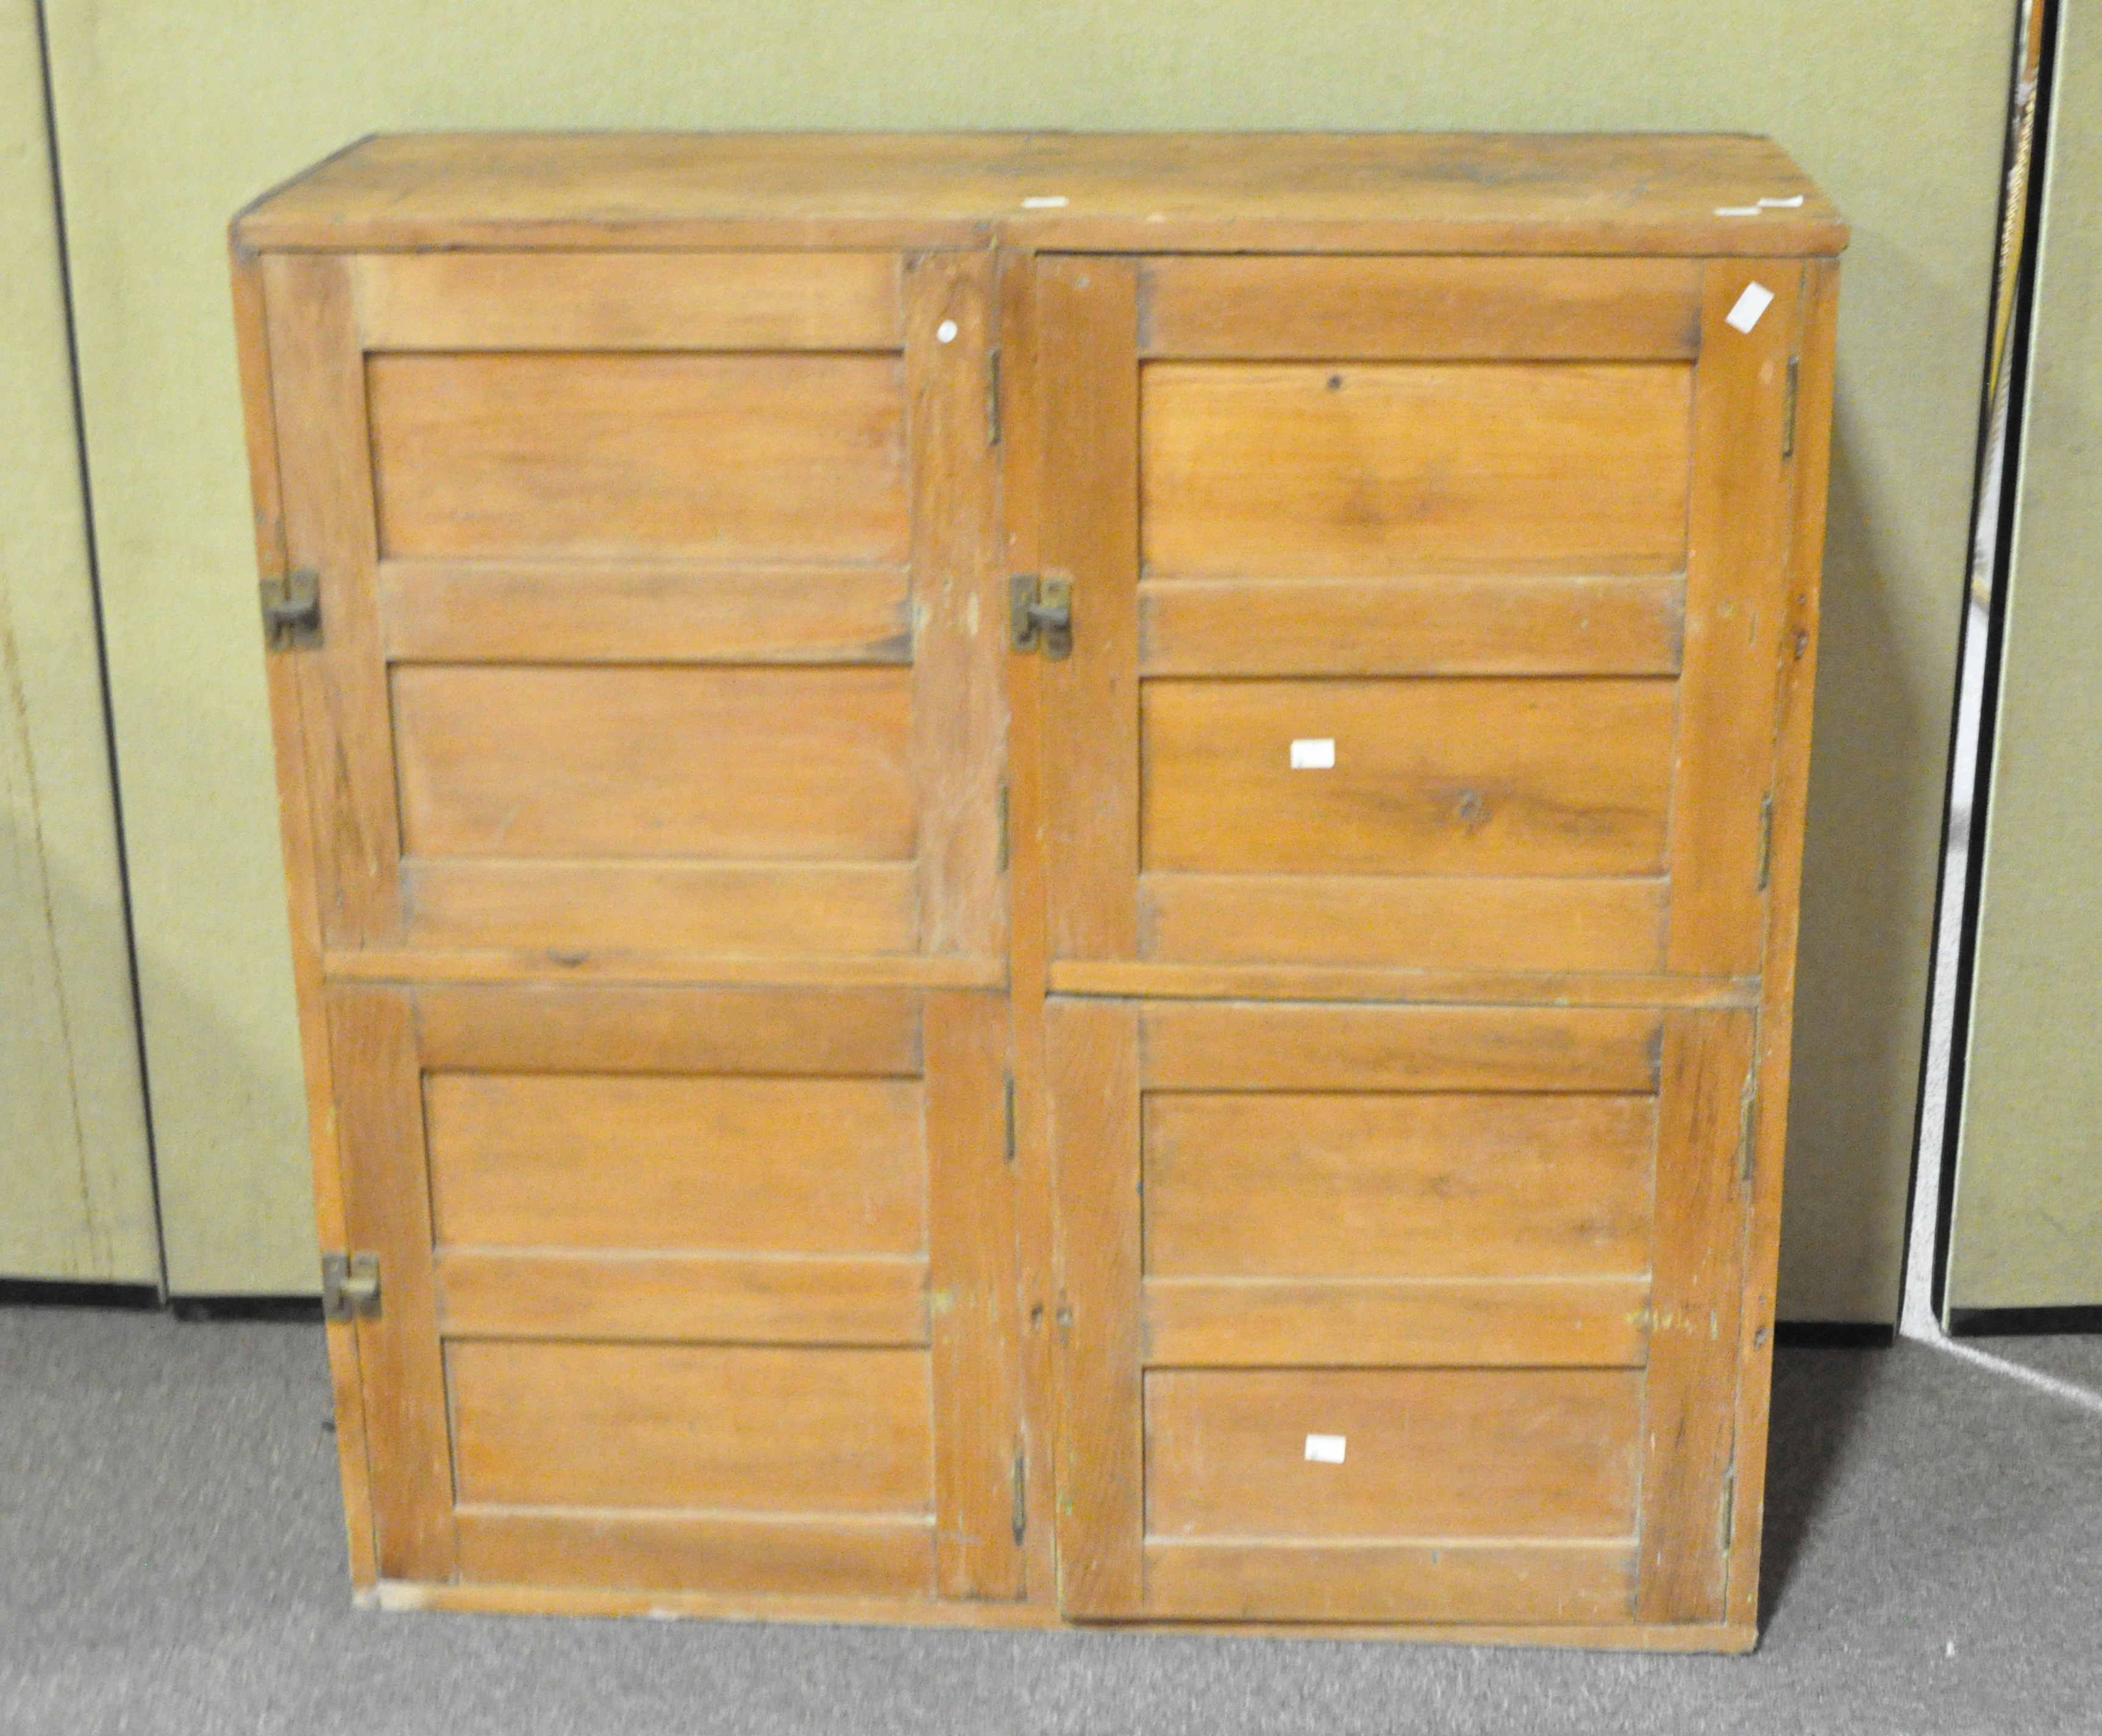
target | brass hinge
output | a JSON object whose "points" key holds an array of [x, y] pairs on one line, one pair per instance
{"points": [[350, 1287], [1021, 1496], [1788, 410], [1748, 1127], [992, 395], [1040, 613], [292, 609], [1766, 838], [1008, 1134], [1000, 810]]}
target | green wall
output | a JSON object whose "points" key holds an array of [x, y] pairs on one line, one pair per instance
{"points": [[2028, 1229], [76, 1193], [170, 115]]}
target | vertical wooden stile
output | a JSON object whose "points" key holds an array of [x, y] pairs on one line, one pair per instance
{"points": [[1088, 380], [318, 371], [1093, 1053], [971, 1250], [379, 1117], [1689, 1408]]}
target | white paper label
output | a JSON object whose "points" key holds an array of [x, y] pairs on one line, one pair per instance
{"points": [[1755, 301], [946, 331], [1314, 755], [1044, 202], [1324, 1449], [1791, 204]]}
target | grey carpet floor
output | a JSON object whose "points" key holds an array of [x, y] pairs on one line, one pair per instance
{"points": [[171, 1563]]}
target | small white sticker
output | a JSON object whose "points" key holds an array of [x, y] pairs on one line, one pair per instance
{"points": [[1782, 204], [1755, 301], [1045, 201], [946, 331], [1314, 754], [1324, 1449], [1737, 211]]}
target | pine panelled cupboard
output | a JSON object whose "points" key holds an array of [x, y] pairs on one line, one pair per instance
{"points": [[1048, 879]]}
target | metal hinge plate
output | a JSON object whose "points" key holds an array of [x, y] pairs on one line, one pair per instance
{"points": [[1727, 1534], [1021, 1496], [1008, 1131], [1788, 410], [350, 1287], [292, 609], [1748, 1128], [1765, 840], [992, 397], [1040, 613]]}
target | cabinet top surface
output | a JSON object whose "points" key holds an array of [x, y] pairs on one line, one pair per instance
{"points": [[1450, 192]]}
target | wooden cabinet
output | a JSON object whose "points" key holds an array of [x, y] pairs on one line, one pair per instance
{"points": [[1050, 879]]}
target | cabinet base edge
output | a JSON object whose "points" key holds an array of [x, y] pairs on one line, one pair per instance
{"points": [[400, 1594]]}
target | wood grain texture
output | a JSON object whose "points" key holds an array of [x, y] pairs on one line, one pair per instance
{"points": [[755, 1555], [707, 762], [1450, 1580], [1200, 1045], [753, 1299], [742, 1429], [1288, 192], [1458, 988], [319, 407], [971, 1277], [295, 831], [1428, 1453], [582, 456], [1690, 1401], [1093, 1056], [1412, 624], [959, 711], [549, 965], [379, 1123], [1419, 309], [736, 907], [1087, 379], [1457, 777], [633, 612], [1356, 1184], [725, 1165], [628, 301], [1736, 599], [1351, 470], [1199, 1322], [787, 1031], [1799, 683], [1450, 922]]}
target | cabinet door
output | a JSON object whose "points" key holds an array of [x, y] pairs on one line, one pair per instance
{"points": [[683, 1289], [1390, 1313], [1427, 613], [651, 591]]}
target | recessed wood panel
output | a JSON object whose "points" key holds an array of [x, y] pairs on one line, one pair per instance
{"points": [[634, 612], [1426, 1453], [630, 457], [1309, 306], [833, 1556], [1342, 470], [1550, 778], [717, 907], [1357, 1184], [1297, 1046], [805, 1166], [654, 762], [743, 1429], [751, 1298], [1450, 1580], [1454, 923], [1412, 624], [1518, 1322]]}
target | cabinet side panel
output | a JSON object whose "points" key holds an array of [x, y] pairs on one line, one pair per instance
{"points": [[252, 334], [1798, 685]]}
